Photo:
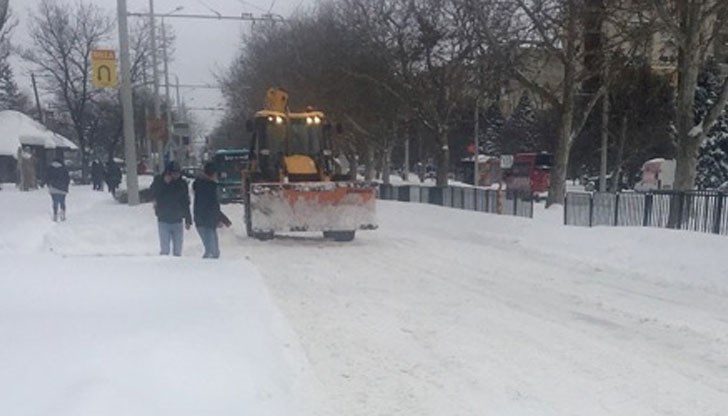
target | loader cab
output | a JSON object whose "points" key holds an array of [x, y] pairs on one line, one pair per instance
{"points": [[293, 146]]}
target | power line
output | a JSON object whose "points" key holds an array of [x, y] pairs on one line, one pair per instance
{"points": [[268, 17]]}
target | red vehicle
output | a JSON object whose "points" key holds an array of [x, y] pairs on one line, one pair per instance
{"points": [[530, 174]]}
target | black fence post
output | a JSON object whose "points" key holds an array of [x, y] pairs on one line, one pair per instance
{"points": [[566, 209], [515, 204], [616, 209], [680, 208], [648, 210], [718, 213], [591, 209]]}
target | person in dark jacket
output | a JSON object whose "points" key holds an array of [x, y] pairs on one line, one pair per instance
{"points": [[172, 206], [58, 180], [97, 175], [113, 176], [208, 216]]}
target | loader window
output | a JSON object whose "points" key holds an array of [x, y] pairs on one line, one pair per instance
{"points": [[305, 139], [275, 138]]}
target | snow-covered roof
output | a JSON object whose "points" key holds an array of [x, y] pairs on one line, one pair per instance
{"points": [[64, 142], [18, 129]]}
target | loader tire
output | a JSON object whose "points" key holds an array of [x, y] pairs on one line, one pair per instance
{"points": [[340, 235]]}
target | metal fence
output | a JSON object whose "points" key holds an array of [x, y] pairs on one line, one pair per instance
{"points": [[482, 200], [701, 211]]}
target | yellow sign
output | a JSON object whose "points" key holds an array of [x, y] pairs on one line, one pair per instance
{"points": [[103, 65]]}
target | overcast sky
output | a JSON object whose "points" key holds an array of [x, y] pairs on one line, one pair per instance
{"points": [[203, 46]]}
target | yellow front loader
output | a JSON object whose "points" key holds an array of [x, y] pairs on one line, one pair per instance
{"points": [[291, 184]]}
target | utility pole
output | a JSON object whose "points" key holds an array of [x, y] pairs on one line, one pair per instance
{"points": [[132, 182], [41, 116], [155, 75], [476, 141], [166, 93], [605, 143], [406, 157], [176, 78]]}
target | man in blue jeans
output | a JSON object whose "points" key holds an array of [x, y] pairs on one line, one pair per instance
{"points": [[172, 206], [208, 216]]}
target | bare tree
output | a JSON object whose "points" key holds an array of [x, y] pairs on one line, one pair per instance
{"points": [[694, 26], [545, 47], [4, 12], [63, 37]]}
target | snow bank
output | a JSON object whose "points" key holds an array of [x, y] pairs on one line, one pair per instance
{"points": [[94, 322], [144, 336]]}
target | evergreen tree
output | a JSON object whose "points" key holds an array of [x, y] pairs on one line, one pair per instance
{"points": [[492, 131], [519, 131], [10, 96], [712, 169]]}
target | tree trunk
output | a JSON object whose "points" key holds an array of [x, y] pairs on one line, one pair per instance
{"points": [[369, 164], [688, 69], [386, 162], [443, 158], [557, 186], [616, 179]]}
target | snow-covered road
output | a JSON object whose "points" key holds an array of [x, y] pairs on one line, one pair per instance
{"points": [[446, 312], [450, 312]]}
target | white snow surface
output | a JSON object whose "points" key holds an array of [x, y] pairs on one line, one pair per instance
{"points": [[439, 312], [93, 322]]}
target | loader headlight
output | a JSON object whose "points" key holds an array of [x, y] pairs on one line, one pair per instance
{"points": [[271, 119], [317, 120], [279, 120], [309, 120]]}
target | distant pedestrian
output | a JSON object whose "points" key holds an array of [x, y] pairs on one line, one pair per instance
{"points": [[97, 175], [172, 206], [113, 176], [208, 216], [58, 180]]}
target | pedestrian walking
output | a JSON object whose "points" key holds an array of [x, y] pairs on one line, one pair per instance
{"points": [[58, 180], [97, 175], [172, 206], [113, 176], [208, 216]]}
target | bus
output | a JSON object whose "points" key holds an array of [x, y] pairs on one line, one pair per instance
{"points": [[230, 164]]}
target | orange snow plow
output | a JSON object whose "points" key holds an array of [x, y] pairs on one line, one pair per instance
{"points": [[336, 208]]}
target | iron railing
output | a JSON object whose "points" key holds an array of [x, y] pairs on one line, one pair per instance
{"points": [[702, 211], [472, 199]]}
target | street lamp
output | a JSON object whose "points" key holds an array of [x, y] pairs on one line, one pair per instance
{"points": [[166, 80]]}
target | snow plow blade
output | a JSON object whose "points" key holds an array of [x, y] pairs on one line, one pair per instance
{"points": [[312, 206]]}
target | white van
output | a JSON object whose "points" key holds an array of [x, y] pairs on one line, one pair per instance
{"points": [[657, 174]]}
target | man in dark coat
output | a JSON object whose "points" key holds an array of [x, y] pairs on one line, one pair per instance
{"points": [[113, 176], [58, 180], [97, 175], [208, 216], [172, 206]]}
